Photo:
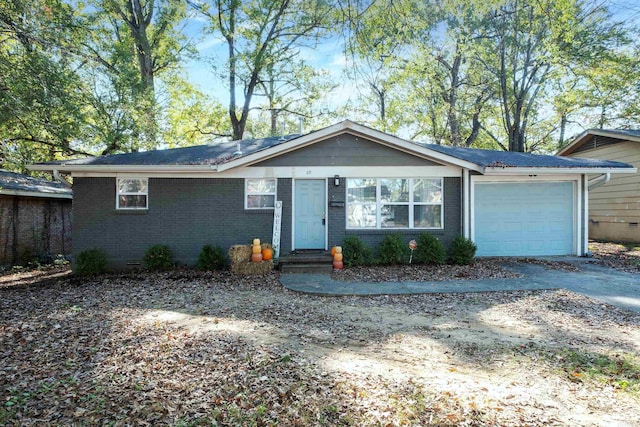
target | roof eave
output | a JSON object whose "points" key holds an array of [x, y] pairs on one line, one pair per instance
{"points": [[24, 193], [553, 170], [125, 168]]}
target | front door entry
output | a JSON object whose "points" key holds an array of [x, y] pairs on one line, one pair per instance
{"points": [[309, 213]]}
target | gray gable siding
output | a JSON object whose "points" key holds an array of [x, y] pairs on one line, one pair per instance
{"points": [[346, 150], [452, 218], [597, 141], [185, 214]]}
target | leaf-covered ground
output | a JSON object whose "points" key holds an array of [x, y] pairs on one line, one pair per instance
{"points": [[187, 348]]}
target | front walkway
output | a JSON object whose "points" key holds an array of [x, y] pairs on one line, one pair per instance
{"points": [[595, 281]]}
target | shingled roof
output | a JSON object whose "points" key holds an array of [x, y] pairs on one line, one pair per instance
{"points": [[227, 155], [510, 159], [210, 154], [17, 184]]}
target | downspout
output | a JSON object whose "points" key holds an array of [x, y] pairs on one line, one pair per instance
{"points": [[590, 185], [599, 181], [58, 177]]}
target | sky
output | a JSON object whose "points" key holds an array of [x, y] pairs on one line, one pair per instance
{"points": [[328, 55]]}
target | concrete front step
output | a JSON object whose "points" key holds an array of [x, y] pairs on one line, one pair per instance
{"points": [[306, 262], [306, 268]]}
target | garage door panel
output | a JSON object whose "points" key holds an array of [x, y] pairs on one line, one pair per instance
{"points": [[513, 227], [524, 219]]}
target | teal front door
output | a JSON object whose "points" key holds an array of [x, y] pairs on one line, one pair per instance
{"points": [[309, 213]]}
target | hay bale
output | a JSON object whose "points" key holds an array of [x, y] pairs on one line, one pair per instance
{"points": [[239, 254], [266, 246], [252, 268]]}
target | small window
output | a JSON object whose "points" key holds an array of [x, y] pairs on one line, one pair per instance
{"points": [[260, 193], [132, 193]]}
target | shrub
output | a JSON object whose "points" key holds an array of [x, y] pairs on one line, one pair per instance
{"points": [[158, 257], [90, 262], [393, 250], [211, 258], [462, 251], [355, 252], [430, 250]]}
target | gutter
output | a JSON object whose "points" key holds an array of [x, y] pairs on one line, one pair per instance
{"points": [[22, 193], [490, 170], [598, 181], [59, 178]]}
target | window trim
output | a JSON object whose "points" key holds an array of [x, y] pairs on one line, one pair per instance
{"points": [[410, 204], [118, 194], [246, 194]]}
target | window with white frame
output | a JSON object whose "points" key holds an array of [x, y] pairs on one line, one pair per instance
{"points": [[260, 193], [382, 203], [132, 193]]}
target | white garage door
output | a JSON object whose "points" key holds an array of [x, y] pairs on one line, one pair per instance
{"points": [[524, 219]]}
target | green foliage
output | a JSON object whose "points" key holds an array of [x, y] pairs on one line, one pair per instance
{"points": [[430, 250], [211, 258], [619, 370], [393, 250], [90, 262], [159, 257], [462, 251], [355, 252]]}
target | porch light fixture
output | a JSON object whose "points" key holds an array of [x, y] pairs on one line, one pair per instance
{"points": [[336, 180]]}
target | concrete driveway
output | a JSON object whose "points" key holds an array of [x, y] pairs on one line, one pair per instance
{"points": [[601, 283]]}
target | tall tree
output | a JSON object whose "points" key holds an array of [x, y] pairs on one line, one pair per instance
{"points": [[136, 41], [259, 34]]}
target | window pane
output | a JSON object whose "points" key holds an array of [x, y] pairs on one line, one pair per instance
{"points": [[394, 190], [361, 190], [395, 216], [132, 185], [427, 216], [427, 191], [258, 201], [261, 186], [133, 202], [361, 215]]}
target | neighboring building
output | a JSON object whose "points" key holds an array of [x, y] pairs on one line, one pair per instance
{"points": [[346, 179], [35, 219], [614, 206]]}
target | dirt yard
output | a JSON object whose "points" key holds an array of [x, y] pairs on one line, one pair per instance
{"points": [[188, 348]]}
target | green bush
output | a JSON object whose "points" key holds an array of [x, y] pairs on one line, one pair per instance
{"points": [[211, 258], [462, 251], [430, 250], [90, 262], [355, 252], [393, 250], [158, 257]]}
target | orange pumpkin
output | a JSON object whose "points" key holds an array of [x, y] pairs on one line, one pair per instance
{"points": [[256, 257], [333, 251], [256, 249], [338, 265], [337, 257], [267, 254]]}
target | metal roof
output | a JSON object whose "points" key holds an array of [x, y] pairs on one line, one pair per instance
{"points": [[23, 185]]}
